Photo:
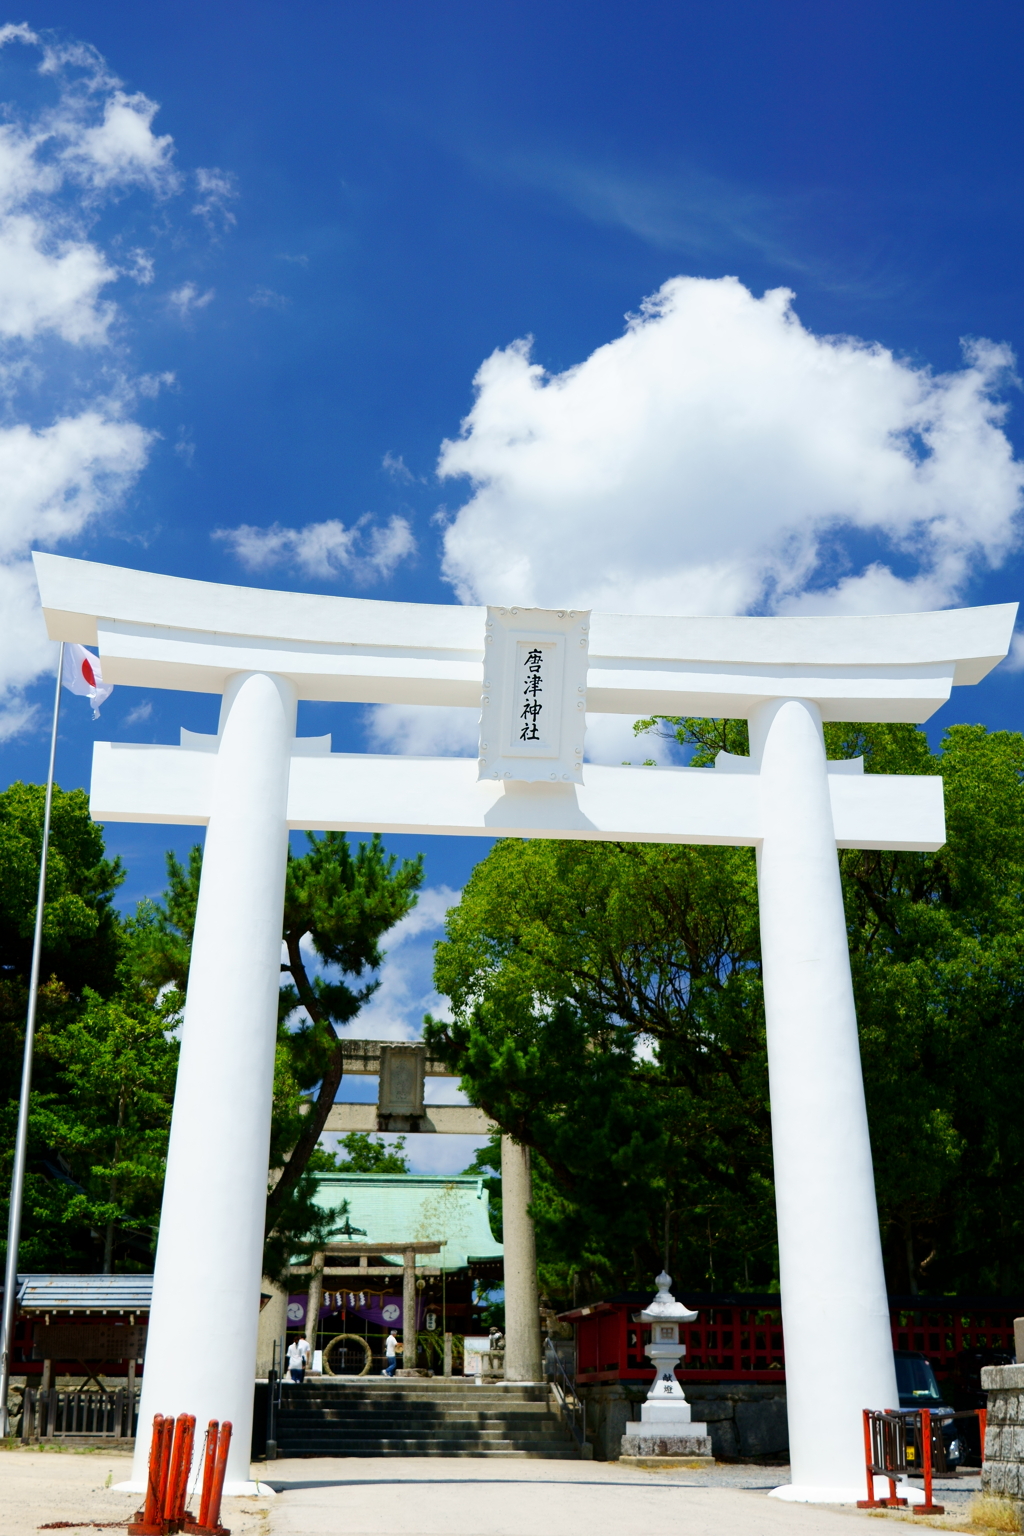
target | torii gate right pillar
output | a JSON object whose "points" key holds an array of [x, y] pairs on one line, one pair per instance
{"points": [[830, 1258]]}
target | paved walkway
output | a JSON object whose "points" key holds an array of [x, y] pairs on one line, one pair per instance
{"points": [[421, 1496], [428, 1496]]}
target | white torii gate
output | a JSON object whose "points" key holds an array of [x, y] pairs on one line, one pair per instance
{"points": [[534, 674]]}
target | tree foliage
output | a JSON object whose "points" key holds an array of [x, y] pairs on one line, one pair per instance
{"points": [[607, 1011], [338, 907], [111, 1000], [103, 1065]]}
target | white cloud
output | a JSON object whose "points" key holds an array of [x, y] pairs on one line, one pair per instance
{"points": [[215, 189], [406, 991], [121, 150], [57, 480], [53, 289], [65, 459], [423, 730], [712, 458], [1015, 660], [395, 466], [140, 266], [684, 210], [365, 550], [429, 1154], [267, 298], [187, 298], [140, 713]]}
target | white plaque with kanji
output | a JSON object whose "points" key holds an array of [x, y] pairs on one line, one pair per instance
{"points": [[534, 700]]}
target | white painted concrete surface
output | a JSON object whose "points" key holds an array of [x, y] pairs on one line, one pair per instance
{"points": [[265, 649], [201, 1347], [835, 1313], [362, 791]]}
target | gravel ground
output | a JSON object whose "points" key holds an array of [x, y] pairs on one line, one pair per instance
{"points": [[38, 1488]]}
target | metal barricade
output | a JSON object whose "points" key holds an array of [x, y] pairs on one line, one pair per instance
{"points": [[896, 1445]]}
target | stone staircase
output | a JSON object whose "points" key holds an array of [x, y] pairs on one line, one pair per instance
{"points": [[427, 1416]]}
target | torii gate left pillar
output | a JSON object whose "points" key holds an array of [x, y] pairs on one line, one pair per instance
{"points": [[254, 781]]}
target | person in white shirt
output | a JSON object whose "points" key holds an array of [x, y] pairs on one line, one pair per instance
{"points": [[298, 1354], [391, 1351]]}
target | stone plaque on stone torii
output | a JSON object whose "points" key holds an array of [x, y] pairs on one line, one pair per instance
{"points": [[533, 674]]}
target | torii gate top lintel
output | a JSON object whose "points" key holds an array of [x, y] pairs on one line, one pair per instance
{"points": [[172, 632], [519, 666]]}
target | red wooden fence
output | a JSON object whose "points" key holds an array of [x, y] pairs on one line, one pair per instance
{"points": [[739, 1338]]}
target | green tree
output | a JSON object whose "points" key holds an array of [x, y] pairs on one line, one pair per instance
{"points": [[369, 1154], [607, 1011], [109, 1123], [338, 905], [83, 950]]}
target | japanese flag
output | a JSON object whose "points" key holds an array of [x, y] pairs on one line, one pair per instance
{"points": [[82, 675]]}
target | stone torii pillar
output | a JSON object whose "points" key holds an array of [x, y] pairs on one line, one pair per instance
{"points": [[534, 674], [522, 1303]]}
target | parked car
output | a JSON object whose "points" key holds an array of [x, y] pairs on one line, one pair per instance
{"points": [[918, 1388]]}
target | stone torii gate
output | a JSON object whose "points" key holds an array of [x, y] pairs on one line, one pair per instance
{"points": [[534, 674]]}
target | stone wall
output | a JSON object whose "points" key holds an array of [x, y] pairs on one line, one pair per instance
{"points": [[1003, 1471], [746, 1421]]}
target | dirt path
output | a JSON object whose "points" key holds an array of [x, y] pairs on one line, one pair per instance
{"points": [[40, 1487]]}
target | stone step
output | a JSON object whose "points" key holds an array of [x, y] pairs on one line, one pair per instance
{"points": [[415, 1427], [525, 1413], [374, 1448], [398, 1444], [378, 1382], [475, 1399], [388, 1389], [427, 1416]]}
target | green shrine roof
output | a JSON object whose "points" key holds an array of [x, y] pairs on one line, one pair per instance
{"points": [[412, 1207]]}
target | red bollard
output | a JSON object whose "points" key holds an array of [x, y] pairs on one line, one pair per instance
{"points": [[927, 1508], [180, 1460], [198, 1527], [217, 1487], [149, 1521], [167, 1437], [208, 1468], [218, 1439], [188, 1441]]}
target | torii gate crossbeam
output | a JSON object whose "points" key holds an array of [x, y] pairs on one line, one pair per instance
{"points": [[534, 674]]}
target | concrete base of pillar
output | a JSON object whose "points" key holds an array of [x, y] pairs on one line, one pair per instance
{"points": [[412, 1371], [803, 1493]]}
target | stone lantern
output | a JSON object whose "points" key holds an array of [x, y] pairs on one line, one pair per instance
{"points": [[665, 1430]]}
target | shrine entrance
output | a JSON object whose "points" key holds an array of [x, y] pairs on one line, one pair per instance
{"points": [[533, 674]]}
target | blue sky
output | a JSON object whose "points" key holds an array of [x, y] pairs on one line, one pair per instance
{"points": [[236, 332]]}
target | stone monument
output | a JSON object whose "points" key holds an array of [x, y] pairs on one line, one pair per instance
{"points": [[666, 1431]]}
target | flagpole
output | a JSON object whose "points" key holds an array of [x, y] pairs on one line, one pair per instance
{"points": [[21, 1138]]}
